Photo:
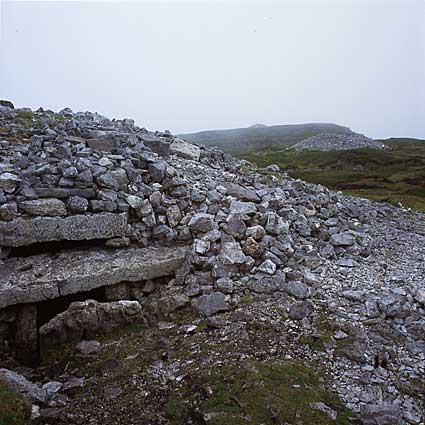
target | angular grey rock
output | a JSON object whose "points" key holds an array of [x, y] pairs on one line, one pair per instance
{"points": [[26, 231], [108, 181], [135, 202], [52, 387], [275, 225], [8, 211], [239, 207], [202, 222], [268, 285], [235, 226], [73, 384], [240, 192], [301, 310], [9, 182], [208, 305], [231, 253], [224, 284], [77, 204], [50, 207], [174, 215], [420, 296], [172, 302], [267, 267], [298, 290], [257, 232], [380, 414], [88, 347], [157, 171], [343, 239], [159, 145], [70, 172], [185, 149], [355, 296], [29, 391]]}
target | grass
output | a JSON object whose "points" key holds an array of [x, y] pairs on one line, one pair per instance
{"points": [[255, 393], [396, 175], [14, 410], [218, 387]]}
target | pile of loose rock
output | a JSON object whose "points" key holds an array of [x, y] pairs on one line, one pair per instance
{"points": [[337, 142], [243, 232]]}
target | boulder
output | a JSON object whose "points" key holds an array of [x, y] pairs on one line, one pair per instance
{"points": [[343, 239], [29, 391], [185, 150], [381, 414], [241, 192], [239, 207], [275, 225], [298, 290], [231, 253], [202, 223], [208, 305], [88, 318], [77, 204], [9, 182]]}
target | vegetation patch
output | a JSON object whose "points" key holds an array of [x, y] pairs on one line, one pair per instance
{"points": [[14, 410], [256, 393], [395, 175]]}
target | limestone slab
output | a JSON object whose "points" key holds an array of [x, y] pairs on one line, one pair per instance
{"points": [[26, 230], [42, 277]]}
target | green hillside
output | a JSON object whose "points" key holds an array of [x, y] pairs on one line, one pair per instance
{"points": [[261, 137], [394, 175]]}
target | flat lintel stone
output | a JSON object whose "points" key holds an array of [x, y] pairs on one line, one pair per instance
{"points": [[83, 270], [26, 231]]}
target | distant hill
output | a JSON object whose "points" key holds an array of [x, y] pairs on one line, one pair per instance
{"points": [[259, 137]]}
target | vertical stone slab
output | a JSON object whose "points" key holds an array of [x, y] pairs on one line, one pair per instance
{"points": [[26, 336]]}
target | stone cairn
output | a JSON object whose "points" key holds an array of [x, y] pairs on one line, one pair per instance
{"points": [[337, 142], [235, 230]]}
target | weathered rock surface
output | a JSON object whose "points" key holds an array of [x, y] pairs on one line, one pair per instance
{"points": [[45, 277], [322, 276], [87, 319], [27, 231], [30, 391]]}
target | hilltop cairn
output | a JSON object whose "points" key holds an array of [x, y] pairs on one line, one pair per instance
{"points": [[146, 224], [337, 142], [82, 177]]}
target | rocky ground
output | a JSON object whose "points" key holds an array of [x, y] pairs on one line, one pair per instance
{"points": [[294, 304], [331, 142]]}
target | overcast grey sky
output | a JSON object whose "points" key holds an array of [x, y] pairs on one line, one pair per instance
{"points": [[194, 65]]}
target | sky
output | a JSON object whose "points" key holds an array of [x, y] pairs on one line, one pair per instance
{"points": [[206, 64]]}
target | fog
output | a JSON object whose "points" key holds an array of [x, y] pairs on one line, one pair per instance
{"points": [[194, 65]]}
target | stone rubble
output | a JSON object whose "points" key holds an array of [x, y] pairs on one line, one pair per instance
{"points": [[290, 245], [337, 142]]}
